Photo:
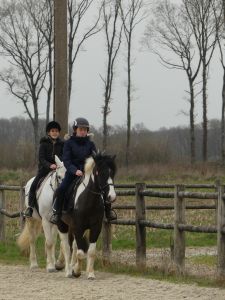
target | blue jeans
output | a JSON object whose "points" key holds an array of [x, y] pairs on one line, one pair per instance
{"points": [[66, 182], [60, 192]]}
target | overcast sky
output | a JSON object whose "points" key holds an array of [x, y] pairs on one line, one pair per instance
{"points": [[159, 95]]}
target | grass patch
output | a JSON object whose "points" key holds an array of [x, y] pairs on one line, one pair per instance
{"points": [[11, 254], [158, 274], [208, 260], [124, 238]]}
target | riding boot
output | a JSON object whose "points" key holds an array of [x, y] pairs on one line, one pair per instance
{"points": [[31, 202], [57, 207], [109, 212]]}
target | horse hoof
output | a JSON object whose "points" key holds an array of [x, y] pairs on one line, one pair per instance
{"points": [[52, 270], [59, 266], [69, 275], [33, 267], [91, 276], [76, 275]]}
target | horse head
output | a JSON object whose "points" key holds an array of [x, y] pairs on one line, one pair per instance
{"points": [[60, 170], [104, 173]]}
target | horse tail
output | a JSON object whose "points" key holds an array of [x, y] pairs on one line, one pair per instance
{"points": [[29, 234]]}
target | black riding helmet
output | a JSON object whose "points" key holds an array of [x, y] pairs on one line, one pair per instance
{"points": [[53, 125], [81, 122]]}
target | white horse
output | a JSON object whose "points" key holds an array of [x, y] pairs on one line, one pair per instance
{"points": [[33, 226]]}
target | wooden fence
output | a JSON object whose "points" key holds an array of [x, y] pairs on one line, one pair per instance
{"points": [[140, 191], [21, 197], [179, 226]]}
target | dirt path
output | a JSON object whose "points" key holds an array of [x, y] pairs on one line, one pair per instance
{"points": [[18, 282]]}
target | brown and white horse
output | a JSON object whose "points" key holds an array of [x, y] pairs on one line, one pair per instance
{"points": [[88, 212]]}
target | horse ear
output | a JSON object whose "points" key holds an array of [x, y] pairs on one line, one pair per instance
{"points": [[59, 163]]}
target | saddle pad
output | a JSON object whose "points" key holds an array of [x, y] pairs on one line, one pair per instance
{"points": [[41, 184], [70, 194]]}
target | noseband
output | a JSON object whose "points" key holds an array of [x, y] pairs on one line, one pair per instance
{"points": [[102, 190]]}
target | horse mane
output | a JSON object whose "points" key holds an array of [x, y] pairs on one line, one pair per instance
{"points": [[108, 160], [89, 165], [99, 158]]}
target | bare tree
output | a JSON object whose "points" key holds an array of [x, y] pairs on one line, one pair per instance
{"points": [[221, 39], [171, 30], [77, 13], [44, 23], [25, 48], [132, 14], [201, 14], [113, 33]]}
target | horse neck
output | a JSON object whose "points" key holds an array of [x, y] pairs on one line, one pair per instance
{"points": [[95, 186]]}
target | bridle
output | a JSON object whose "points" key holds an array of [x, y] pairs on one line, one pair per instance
{"points": [[102, 191], [57, 182]]}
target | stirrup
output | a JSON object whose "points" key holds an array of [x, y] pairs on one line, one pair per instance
{"points": [[55, 218], [28, 212]]}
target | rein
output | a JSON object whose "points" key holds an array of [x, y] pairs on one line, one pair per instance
{"points": [[102, 192], [56, 181]]}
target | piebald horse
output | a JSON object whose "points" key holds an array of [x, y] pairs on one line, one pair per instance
{"points": [[88, 212], [33, 226]]}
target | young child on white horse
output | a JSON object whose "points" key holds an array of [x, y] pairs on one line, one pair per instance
{"points": [[50, 145], [76, 150]]}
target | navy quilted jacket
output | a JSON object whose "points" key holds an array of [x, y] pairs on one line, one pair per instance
{"points": [[75, 152]]}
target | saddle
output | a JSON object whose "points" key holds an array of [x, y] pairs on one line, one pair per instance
{"points": [[41, 183], [39, 188], [68, 203]]}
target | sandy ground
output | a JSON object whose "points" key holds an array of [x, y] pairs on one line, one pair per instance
{"points": [[18, 282]]}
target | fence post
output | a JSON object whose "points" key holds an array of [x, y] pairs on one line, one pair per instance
{"points": [[140, 229], [179, 235], [217, 184], [21, 204], [220, 234], [2, 217], [106, 242]]}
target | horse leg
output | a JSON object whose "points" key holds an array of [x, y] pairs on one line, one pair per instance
{"points": [[60, 263], [90, 260], [67, 253], [74, 254], [80, 255], [50, 239], [28, 238], [54, 234], [82, 246], [34, 228], [93, 237]]}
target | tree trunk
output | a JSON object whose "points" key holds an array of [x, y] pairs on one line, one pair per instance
{"points": [[50, 84], [192, 122], [204, 106], [222, 121], [105, 127], [128, 101], [70, 69], [36, 138]]}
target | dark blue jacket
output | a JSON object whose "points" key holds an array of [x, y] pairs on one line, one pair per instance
{"points": [[75, 152]]}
